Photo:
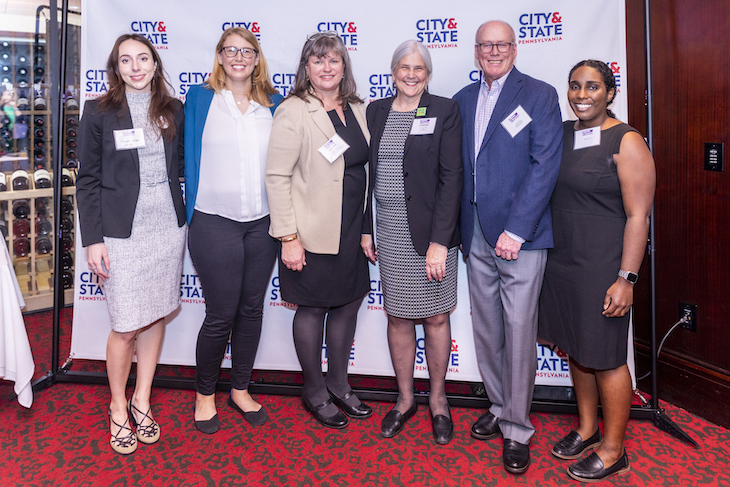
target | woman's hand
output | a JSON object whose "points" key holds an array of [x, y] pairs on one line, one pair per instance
{"points": [[436, 261], [368, 248], [619, 298], [98, 259], [292, 255]]}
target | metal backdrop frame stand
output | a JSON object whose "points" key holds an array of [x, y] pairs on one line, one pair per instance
{"points": [[546, 398]]}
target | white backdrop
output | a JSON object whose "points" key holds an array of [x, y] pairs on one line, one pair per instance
{"points": [[551, 36]]}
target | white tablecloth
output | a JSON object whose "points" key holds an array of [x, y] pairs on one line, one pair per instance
{"points": [[16, 360]]}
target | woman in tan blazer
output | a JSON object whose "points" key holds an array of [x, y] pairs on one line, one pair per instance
{"points": [[316, 183]]}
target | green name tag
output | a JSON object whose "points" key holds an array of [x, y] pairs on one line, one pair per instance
{"points": [[421, 112]]}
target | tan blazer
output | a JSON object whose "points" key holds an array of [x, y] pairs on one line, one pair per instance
{"points": [[304, 189]]}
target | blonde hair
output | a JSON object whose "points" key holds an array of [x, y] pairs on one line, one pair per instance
{"points": [[261, 86]]}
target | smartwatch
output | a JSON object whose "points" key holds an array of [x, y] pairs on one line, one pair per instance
{"points": [[632, 277]]}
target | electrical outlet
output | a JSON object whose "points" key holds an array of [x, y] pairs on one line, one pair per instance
{"points": [[685, 308]]}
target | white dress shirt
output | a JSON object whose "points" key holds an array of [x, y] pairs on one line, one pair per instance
{"points": [[233, 160]]}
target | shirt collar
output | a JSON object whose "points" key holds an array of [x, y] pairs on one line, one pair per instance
{"points": [[500, 81], [231, 101]]}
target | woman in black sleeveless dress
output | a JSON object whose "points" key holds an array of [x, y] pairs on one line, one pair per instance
{"points": [[600, 207]]}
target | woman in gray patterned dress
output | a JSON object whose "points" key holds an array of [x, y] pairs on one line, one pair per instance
{"points": [[415, 161], [132, 219]]}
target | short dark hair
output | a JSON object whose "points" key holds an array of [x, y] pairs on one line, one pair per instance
{"points": [[608, 78]]}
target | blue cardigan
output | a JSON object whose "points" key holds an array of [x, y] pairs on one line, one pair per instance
{"points": [[197, 104]]}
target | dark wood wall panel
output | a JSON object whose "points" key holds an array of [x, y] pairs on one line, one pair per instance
{"points": [[691, 72], [636, 91], [691, 80]]}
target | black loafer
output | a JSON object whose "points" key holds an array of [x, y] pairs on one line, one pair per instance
{"points": [[394, 421], [254, 418], [572, 445], [361, 411], [486, 427], [337, 420], [443, 429], [516, 456], [591, 468], [209, 426]]}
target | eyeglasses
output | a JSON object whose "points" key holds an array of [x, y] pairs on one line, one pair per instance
{"points": [[246, 52], [486, 47]]}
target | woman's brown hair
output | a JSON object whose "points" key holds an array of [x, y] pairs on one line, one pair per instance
{"points": [[319, 45], [162, 105]]}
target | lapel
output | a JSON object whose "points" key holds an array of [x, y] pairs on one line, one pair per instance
{"points": [[123, 121], [203, 98], [510, 90], [423, 103], [381, 116], [359, 112], [470, 113], [320, 117], [168, 153], [379, 119]]}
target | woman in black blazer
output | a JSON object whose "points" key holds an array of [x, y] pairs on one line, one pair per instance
{"points": [[417, 175], [132, 219]]}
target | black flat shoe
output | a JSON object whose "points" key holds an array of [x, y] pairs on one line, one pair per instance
{"points": [[209, 426], [486, 427], [443, 429], [394, 421], [572, 445], [254, 418], [591, 468], [361, 411], [516, 456], [337, 421]]}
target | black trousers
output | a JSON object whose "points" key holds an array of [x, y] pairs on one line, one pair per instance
{"points": [[234, 261]]}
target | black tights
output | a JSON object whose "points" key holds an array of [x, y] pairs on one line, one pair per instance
{"points": [[308, 331]]}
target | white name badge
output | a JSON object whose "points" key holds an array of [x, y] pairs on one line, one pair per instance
{"points": [[587, 138], [334, 148], [517, 120], [128, 139], [423, 126]]}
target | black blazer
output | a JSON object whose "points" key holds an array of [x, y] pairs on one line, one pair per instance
{"points": [[107, 185], [433, 173]]}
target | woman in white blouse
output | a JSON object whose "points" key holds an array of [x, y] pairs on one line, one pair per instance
{"points": [[229, 120]]}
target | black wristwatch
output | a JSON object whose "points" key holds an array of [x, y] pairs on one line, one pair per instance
{"points": [[632, 277]]}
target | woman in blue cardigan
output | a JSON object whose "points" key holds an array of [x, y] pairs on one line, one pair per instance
{"points": [[229, 120]]}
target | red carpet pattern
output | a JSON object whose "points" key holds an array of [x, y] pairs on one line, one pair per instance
{"points": [[63, 441]]}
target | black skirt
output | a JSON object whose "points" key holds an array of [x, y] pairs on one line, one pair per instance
{"points": [[335, 280]]}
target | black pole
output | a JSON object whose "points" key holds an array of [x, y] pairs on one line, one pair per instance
{"points": [[57, 52], [652, 241]]}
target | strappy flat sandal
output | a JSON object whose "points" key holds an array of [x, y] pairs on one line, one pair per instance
{"points": [[145, 434], [123, 444]]}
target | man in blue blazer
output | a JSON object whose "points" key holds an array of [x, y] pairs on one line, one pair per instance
{"points": [[512, 144]]}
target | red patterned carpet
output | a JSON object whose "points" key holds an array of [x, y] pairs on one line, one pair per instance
{"points": [[63, 441]]}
